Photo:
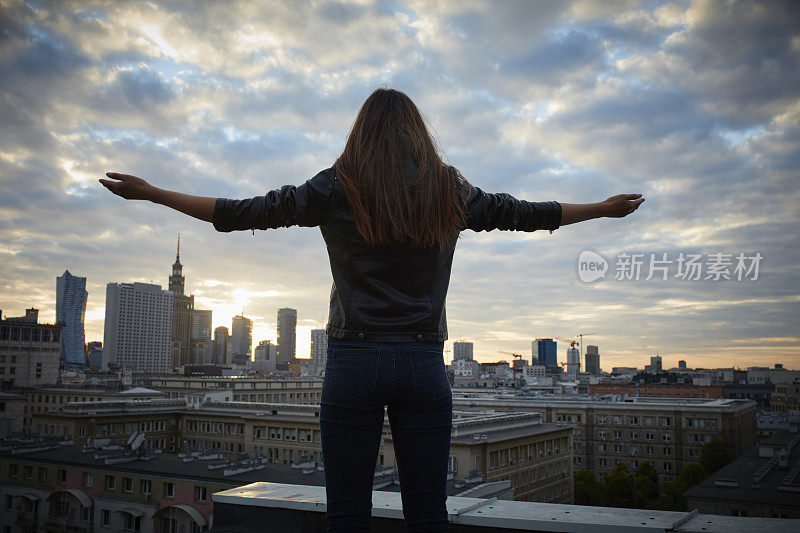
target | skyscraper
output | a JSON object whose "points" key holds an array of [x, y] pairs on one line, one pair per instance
{"points": [[462, 350], [573, 363], [655, 364], [221, 347], [201, 335], [319, 347], [592, 360], [287, 337], [182, 310], [241, 339], [264, 354], [138, 327], [71, 298], [546, 352]]}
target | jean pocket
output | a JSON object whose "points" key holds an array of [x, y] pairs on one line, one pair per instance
{"points": [[353, 371], [429, 374]]}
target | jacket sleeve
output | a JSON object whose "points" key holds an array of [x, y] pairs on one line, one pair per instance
{"points": [[305, 205], [488, 211]]}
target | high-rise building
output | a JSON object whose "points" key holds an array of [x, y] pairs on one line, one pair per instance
{"points": [[70, 312], [241, 340], [546, 352], [182, 310], [94, 354], [221, 347], [201, 334], [655, 364], [138, 327], [462, 350], [287, 337], [29, 351], [265, 355], [319, 347], [592, 360], [573, 363], [682, 365]]}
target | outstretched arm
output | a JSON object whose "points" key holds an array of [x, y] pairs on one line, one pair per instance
{"points": [[616, 207], [133, 188]]}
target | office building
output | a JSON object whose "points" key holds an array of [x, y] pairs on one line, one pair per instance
{"points": [[71, 298], [546, 352], [319, 347], [681, 365], [221, 347], [573, 363], [201, 335], [287, 337], [593, 360], [655, 364], [138, 327], [462, 350], [182, 312], [94, 354], [241, 340], [669, 433], [264, 355], [29, 351]]}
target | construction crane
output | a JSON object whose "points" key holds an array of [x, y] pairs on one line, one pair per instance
{"points": [[515, 354], [581, 336], [572, 342]]}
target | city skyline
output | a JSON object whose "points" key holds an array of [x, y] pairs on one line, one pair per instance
{"points": [[686, 103]]}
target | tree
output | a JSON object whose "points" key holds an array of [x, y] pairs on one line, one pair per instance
{"points": [[617, 489], [714, 455], [645, 482], [587, 488]]}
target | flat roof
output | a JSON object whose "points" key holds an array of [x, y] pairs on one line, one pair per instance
{"points": [[736, 480]]}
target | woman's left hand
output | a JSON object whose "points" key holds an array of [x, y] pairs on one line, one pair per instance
{"points": [[127, 186]]}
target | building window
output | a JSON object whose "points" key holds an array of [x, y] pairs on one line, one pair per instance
{"points": [[28, 472], [105, 516], [127, 484], [169, 490], [9, 502], [146, 487], [667, 467], [88, 479], [200, 494], [602, 461], [62, 475], [42, 474], [13, 470], [111, 482]]}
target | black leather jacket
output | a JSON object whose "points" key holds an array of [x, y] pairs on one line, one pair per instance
{"points": [[387, 293]]}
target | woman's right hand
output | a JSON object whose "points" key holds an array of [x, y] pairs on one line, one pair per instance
{"points": [[622, 205], [127, 186]]}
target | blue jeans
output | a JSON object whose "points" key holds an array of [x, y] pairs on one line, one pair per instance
{"points": [[360, 379]]}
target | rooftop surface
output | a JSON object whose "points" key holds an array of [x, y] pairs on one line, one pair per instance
{"points": [[735, 482], [247, 508]]}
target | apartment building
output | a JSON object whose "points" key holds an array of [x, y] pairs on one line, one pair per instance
{"points": [[49, 399], [535, 457], [669, 433], [67, 488], [657, 390], [245, 389]]}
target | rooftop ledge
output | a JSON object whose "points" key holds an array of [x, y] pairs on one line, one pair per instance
{"points": [[277, 507]]}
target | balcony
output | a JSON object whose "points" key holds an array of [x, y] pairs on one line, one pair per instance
{"points": [[275, 507], [60, 524]]}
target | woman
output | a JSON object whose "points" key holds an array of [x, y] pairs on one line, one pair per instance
{"points": [[390, 212]]}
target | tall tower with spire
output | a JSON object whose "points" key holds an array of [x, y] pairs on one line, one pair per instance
{"points": [[182, 315], [176, 279]]}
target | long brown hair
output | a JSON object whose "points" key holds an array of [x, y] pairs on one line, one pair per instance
{"points": [[397, 185]]}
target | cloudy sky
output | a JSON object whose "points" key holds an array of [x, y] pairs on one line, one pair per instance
{"points": [[694, 104]]}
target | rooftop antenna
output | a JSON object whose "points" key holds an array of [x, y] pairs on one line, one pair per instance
{"points": [[178, 256]]}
